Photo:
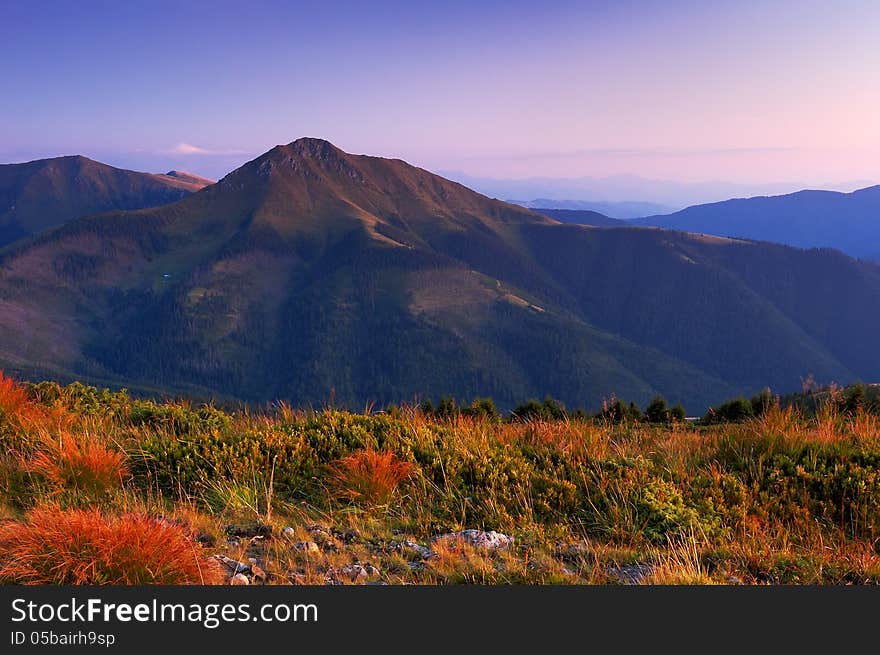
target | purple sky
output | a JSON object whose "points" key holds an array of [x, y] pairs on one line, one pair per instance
{"points": [[745, 91]]}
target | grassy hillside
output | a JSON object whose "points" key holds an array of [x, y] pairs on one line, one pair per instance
{"points": [[96, 487], [43, 194]]}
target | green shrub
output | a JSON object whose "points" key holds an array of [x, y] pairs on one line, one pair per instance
{"points": [[733, 411], [549, 409]]}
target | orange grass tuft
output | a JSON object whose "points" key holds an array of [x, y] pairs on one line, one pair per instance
{"points": [[369, 475], [76, 547], [15, 406], [82, 465]]}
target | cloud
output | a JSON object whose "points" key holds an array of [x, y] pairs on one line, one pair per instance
{"points": [[187, 149]]}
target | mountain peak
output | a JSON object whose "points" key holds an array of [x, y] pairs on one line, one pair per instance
{"points": [[314, 148], [192, 180]]}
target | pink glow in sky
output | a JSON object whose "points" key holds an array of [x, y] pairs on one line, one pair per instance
{"points": [[746, 91]]}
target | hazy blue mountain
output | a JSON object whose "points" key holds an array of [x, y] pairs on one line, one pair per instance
{"points": [[806, 219], [618, 210], [582, 217], [670, 195]]}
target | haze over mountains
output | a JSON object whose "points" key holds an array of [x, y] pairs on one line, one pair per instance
{"points": [[614, 210], [807, 219], [582, 217], [625, 196], [310, 274], [45, 193]]}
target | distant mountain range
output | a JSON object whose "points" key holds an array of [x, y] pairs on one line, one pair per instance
{"points": [[613, 210], [807, 219], [615, 195], [311, 274], [582, 217], [45, 193]]}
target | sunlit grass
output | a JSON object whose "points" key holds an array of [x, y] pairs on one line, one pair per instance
{"points": [[783, 498]]}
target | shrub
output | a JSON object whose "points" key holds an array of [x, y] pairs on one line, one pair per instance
{"points": [[763, 402], [83, 466], [628, 497], [369, 475], [83, 399], [77, 547], [852, 399], [657, 411], [299, 450], [482, 408], [447, 408], [733, 411], [178, 418], [619, 412], [678, 412], [548, 410]]}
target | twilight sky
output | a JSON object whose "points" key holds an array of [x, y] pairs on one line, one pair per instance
{"points": [[742, 91]]}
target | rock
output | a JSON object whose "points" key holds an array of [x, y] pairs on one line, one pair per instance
{"points": [[480, 539], [413, 549], [348, 536], [288, 533], [249, 530], [306, 547], [239, 579], [233, 543], [317, 530], [233, 565], [206, 539], [354, 573], [631, 574], [259, 574], [359, 572], [322, 537], [332, 577], [296, 577], [734, 580], [351, 573]]}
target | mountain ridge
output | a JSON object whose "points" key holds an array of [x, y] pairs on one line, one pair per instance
{"points": [[807, 219], [310, 273], [44, 193]]}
